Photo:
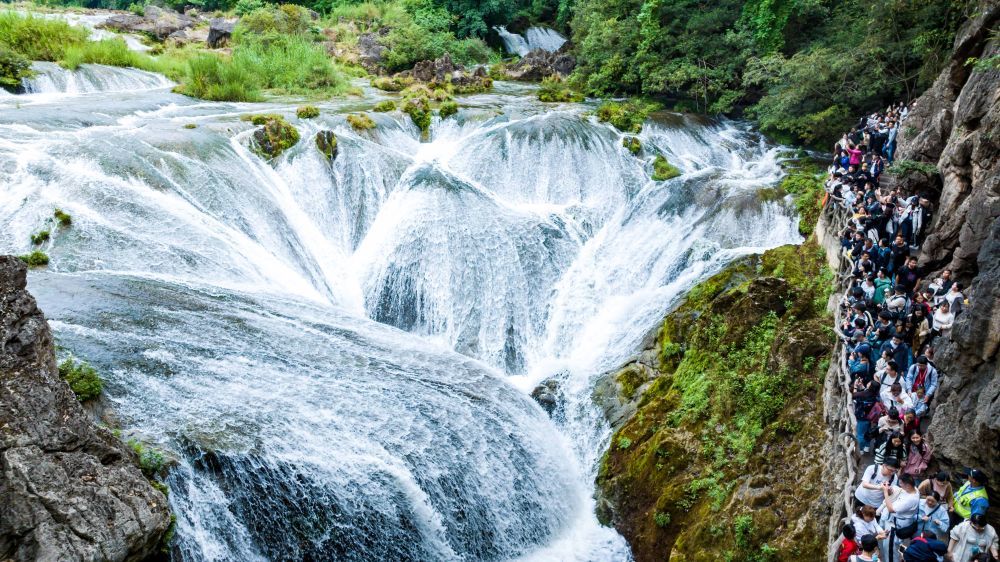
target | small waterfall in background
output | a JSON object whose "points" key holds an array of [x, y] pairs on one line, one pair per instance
{"points": [[50, 78], [534, 38], [339, 355]]}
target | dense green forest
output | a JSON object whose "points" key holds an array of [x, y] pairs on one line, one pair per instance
{"points": [[803, 69]]}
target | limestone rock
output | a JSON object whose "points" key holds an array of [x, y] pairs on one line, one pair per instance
{"points": [[326, 142], [219, 32], [157, 22], [540, 63], [68, 489]]}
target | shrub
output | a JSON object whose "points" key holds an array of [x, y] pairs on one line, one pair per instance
{"points": [[661, 519], [664, 170], [82, 379], [244, 7], [307, 112], [284, 20], [360, 122], [905, 167], [37, 258], [111, 52], [625, 116], [447, 109], [137, 8], [38, 38], [62, 217], [553, 90], [289, 64], [212, 78], [40, 237], [384, 106], [151, 460], [624, 442], [13, 69], [633, 144]]}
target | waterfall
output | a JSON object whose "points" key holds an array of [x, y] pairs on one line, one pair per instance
{"points": [[338, 355], [50, 78], [535, 38]]}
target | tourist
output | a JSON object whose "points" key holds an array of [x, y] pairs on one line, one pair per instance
{"points": [[848, 545], [889, 423], [941, 483], [922, 375], [869, 491], [955, 298], [899, 511], [943, 322], [971, 538], [865, 522], [933, 517], [918, 454], [896, 398], [893, 448], [925, 548], [869, 550], [882, 282]]}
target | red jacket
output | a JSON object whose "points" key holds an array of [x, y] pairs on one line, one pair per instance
{"points": [[847, 548]]}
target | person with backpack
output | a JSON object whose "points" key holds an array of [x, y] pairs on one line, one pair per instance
{"points": [[973, 538], [870, 491], [899, 350], [921, 375], [899, 512], [925, 548]]}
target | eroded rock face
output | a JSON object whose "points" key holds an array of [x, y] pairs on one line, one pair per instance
{"points": [[68, 489], [155, 21], [540, 64], [956, 126]]}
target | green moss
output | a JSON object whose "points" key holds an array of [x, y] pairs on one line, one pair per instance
{"points": [[736, 386], [360, 122], [627, 116], [906, 167], [419, 110], [307, 112], [664, 170], [40, 237], [63, 218], [260, 118], [624, 442], [190, 126], [151, 460], [629, 380], [168, 536], [274, 137], [391, 83], [447, 109], [475, 86], [804, 183], [326, 142], [384, 106], [633, 144], [36, 258], [13, 69], [554, 90], [82, 379]]}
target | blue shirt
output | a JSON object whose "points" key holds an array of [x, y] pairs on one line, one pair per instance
{"points": [[938, 523]]}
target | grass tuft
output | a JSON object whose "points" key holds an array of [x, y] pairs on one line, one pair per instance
{"points": [[82, 379], [664, 170], [37, 258], [40, 237], [360, 122], [307, 112]]}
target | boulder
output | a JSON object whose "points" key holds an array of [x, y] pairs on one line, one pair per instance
{"points": [[370, 51], [188, 36], [156, 22], [219, 32], [274, 136], [326, 142], [69, 490], [439, 70], [549, 396], [540, 63]]}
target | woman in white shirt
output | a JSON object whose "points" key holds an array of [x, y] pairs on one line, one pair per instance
{"points": [[900, 508], [943, 320], [865, 522]]}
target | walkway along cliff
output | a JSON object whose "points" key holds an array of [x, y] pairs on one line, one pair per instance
{"points": [[735, 428], [69, 490]]}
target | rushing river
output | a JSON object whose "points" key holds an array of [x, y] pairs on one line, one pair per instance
{"points": [[340, 356]]}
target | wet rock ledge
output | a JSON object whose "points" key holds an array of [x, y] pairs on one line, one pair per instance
{"points": [[69, 490]]}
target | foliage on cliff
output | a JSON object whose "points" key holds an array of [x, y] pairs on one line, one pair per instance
{"points": [[725, 450], [793, 61]]}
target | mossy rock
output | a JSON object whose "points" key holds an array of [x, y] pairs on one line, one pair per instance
{"points": [[633, 144], [476, 85], [391, 83], [419, 110], [40, 237], [664, 170], [385, 106], [260, 118], [360, 122], [274, 137], [307, 112], [554, 90], [37, 258], [326, 142], [190, 126], [627, 116], [63, 218], [447, 109]]}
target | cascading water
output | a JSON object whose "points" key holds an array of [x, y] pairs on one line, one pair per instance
{"points": [[534, 38], [50, 78], [288, 330]]}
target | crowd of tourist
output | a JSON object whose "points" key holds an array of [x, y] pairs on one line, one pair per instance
{"points": [[894, 317]]}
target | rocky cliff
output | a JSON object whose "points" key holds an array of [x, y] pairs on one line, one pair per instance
{"points": [[720, 444], [956, 127], [68, 489]]}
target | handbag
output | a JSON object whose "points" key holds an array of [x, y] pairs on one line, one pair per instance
{"points": [[909, 530]]}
